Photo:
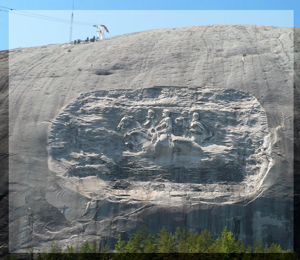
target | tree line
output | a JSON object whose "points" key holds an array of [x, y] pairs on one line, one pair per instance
{"points": [[183, 241], [166, 243]]}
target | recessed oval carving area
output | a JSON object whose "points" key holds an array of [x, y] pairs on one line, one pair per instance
{"points": [[201, 140]]}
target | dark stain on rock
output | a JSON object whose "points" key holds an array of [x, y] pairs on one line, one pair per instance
{"points": [[102, 72]]}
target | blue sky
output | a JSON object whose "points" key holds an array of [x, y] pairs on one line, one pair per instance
{"points": [[121, 17]]}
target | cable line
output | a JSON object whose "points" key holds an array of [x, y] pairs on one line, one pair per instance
{"points": [[39, 16]]}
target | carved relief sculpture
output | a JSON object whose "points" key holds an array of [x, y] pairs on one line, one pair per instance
{"points": [[145, 136], [199, 132]]}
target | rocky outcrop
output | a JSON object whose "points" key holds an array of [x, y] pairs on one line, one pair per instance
{"points": [[181, 127]]}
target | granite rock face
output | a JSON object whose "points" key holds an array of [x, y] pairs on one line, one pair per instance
{"points": [[4, 218], [296, 136], [181, 127]]}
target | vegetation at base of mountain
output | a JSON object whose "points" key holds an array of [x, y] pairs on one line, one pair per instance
{"points": [[225, 246], [183, 241]]}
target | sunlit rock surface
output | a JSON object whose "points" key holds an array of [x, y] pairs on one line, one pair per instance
{"points": [[180, 127], [4, 152]]}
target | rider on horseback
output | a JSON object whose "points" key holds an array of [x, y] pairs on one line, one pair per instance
{"points": [[164, 128]]}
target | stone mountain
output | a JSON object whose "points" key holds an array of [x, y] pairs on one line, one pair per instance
{"points": [[175, 127]]}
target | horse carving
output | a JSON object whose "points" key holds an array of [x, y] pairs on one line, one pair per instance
{"points": [[135, 137]]}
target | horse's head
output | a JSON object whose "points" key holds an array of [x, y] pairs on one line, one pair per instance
{"points": [[125, 123]]}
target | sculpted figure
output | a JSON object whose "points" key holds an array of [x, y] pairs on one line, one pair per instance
{"points": [[198, 131], [135, 137], [182, 123], [125, 123], [162, 138], [150, 120], [164, 127]]}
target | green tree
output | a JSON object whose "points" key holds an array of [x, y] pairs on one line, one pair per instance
{"points": [[136, 243], [150, 244], [258, 247], [70, 250], [216, 246], [55, 248], [86, 248], [192, 242], [227, 244], [105, 249], [120, 246], [274, 248], [181, 239], [133, 245], [204, 242], [248, 249], [166, 242], [177, 234]]}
